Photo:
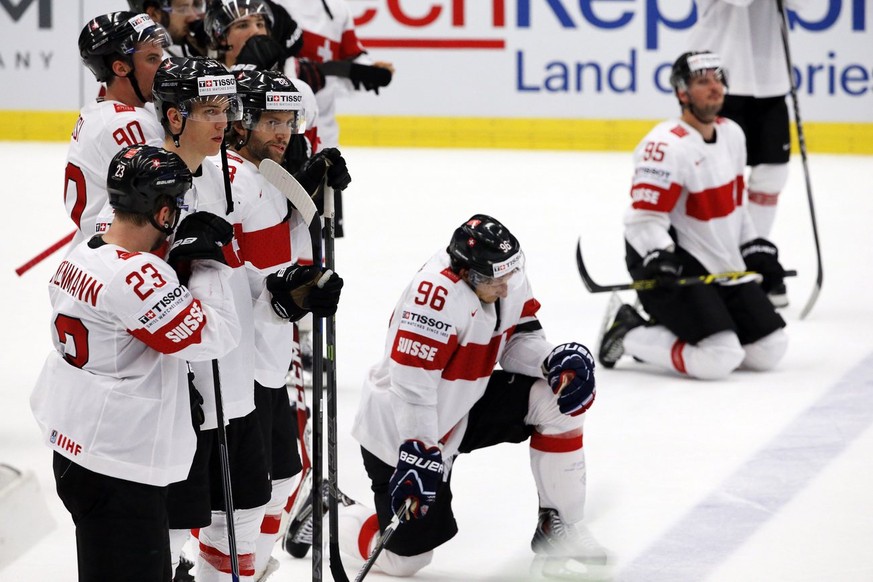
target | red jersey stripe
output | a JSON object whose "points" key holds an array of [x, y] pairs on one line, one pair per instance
{"points": [[715, 202], [650, 197], [474, 361], [267, 247], [184, 330]]}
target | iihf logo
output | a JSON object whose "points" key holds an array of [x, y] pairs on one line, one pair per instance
{"points": [[53, 437]]}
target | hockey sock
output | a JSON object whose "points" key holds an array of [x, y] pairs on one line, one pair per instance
{"points": [[712, 358], [270, 525], [358, 530], [215, 564], [178, 537], [558, 465], [766, 181]]}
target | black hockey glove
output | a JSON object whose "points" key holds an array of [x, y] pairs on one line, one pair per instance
{"points": [[328, 161], [285, 30], [569, 369], [369, 77], [663, 266], [196, 401], [262, 51], [197, 38], [417, 477], [297, 290], [296, 153], [309, 73], [201, 235], [762, 256]]}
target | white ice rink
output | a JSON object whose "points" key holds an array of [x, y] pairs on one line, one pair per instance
{"points": [[761, 477]]}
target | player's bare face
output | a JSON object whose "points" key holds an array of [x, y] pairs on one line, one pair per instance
{"points": [[204, 130], [182, 14], [240, 31], [706, 95], [269, 138], [146, 60], [490, 290]]}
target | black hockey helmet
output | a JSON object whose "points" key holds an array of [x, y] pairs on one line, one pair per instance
{"points": [[484, 245], [268, 91], [143, 178], [694, 63], [114, 36], [220, 14], [182, 81]]}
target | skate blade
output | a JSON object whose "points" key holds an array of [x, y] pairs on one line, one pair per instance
{"points": [[562, 568], [611, 309]]}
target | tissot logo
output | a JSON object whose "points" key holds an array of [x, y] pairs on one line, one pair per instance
{"points": [[16, 9]]}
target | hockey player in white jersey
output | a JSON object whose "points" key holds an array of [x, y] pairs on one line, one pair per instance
{"points": [[689, 216], [113, 399], [747, 35], [123, 50], [196, 100], [183, 20], [436, 394], [276, 245]]}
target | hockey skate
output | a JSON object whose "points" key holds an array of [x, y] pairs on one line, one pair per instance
{"points": [[183, 570], [612, 342], [778, 296], [298, 536], [565, 550]]}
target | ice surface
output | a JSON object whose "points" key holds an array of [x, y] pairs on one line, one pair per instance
{"points": [[758, 477]]}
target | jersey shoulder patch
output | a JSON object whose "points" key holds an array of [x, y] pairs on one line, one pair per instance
{"points": [[679, 131], [449, 274], [122, 108]]}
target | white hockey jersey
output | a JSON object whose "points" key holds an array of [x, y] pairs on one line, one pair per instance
{"points": [[271, 237], [746, 34], [237, 368], [113, 394], [696, 187], [327, 37], [441, 348], [103, 128]]}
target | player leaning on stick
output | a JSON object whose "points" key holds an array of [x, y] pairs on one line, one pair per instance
{"points": [[689, 216], [113, 399], [436, 394], [272, 237]]}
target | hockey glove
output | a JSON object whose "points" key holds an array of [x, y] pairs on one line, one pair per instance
{"points": [[298, 290], [285, 30], [369, 77], [328, 162], [262, 51], [296, 153], [663, 266], [569, 369], [417, 477], [309, 73], [201, 235], [762, 256]]}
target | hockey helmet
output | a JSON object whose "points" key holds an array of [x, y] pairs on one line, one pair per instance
{"points": [[220, 14], [269, 91], [485, 246], [695, 63], [143, 178], [181, 82], [114, 36]]}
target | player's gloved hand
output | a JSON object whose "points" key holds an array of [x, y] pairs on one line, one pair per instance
{"points": [[262, 51], [296, 153], [197, 38], [328, 162], [297, 290], [309, 73], [370, 77], [417, 477], [200, 235], [569, 369], [663, 266], [762, 256], [285, 30], [196, 401]]}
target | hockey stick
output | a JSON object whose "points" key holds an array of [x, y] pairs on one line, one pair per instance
{"points": [[44, 255], [296, 194], [336, 564], [225, 473], [729, 278], [801, 140], [383, 539]]}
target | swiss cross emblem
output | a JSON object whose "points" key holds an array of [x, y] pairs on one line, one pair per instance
{"points": [[156, 163]]}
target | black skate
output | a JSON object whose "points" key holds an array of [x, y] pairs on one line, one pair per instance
{"points": [[778, 296], [298, 536], [612, 343], [183, 570]]}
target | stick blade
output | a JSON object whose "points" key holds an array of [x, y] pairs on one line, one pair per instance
{"points": [[290, 188]]}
